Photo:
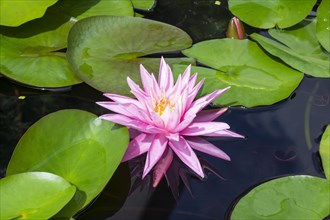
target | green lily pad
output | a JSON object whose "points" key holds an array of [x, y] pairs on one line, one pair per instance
{"points": [[33, 195], [103, 51], [255, 78], [268, 14], [325, 151], [87, 8], [293, 197], [15, 13], [75, 145], [323, 24], [30, 53], [143, 4], [301, 50]]}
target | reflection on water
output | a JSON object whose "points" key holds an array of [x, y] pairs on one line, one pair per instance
{"points": [[282, 139]]}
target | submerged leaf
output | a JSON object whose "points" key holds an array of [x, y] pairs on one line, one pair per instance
{"points": [[254, 77], [75, 145], [293, 197], [325, 151], [268, 14], [33, 195], [103, 51]]}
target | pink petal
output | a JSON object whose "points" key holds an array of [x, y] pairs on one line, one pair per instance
{"points": [[122, 99], [139, 145], [204, 128], [206, 147], [225, 133], [193, 93], [157, 120], [165, 77], [209, 115], [136, 90], [155, 152], [182, 149], [146, 79], [186, 76], [192, 81], [131, 123], [184, 124], [162, 166], [200, 103]]}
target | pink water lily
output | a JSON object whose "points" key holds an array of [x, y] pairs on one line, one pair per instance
{"points": [[168, 120]]}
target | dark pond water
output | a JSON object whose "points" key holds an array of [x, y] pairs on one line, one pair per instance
{"points": [[282, 139]]}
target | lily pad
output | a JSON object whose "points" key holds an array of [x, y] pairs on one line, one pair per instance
{"points": [[103, 51], [33, 195], [255, 78], [268, 14], [33, 57], [75, 145], [323, 24], [301, 50], [293, 197], [15, 13], [325, 151], [143, 4]]}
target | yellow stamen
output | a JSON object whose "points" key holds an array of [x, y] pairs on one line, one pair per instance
{"points": [[160, 106]]}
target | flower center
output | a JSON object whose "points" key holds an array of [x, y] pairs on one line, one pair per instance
{"points": [[160, 106]]}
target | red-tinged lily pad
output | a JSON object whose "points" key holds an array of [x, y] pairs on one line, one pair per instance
{"points": [[105, 50], [255, 78], [75, 145], [268, 14], [33, 195], [292, 197]]}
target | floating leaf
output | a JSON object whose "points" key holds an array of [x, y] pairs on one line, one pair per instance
{"points": [[323, 24], [15, 13], [302, 50], [325, 151], [255, 78], [268, 14], [86, 8], [103, 51], [143, 4], [33, 195], [293, 197], [75, 145], [30, 53]]}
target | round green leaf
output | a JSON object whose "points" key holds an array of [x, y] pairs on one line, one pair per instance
{"points": [[75, 145], [33, 195], [293, 197], [268, 14], [301, 50], [104, 50], [29, 53], [254, 77], [323, 24], [15, 13], [325, 151]]}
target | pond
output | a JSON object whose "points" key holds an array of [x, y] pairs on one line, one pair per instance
{"points": [[281, 139]]}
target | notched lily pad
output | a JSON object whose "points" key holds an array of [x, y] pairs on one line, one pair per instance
{"points": [[255, 78], [75, 145], [301, 49], [104, 50], [33, 195], [325, 151], [293, 197], [268, 14]]}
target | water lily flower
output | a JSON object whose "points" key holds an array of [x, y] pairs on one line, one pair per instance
{"points": [[168, 120]]}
